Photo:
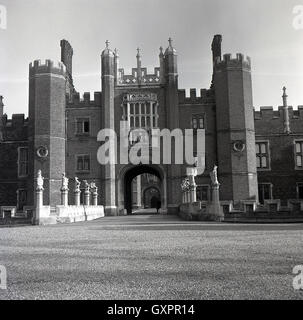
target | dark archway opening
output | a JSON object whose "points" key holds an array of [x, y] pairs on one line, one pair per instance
{"points": [[151, 197], [153, 202], [128, 178]]}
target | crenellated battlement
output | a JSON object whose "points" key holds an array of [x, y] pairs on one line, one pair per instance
{"points": [[240, 61], [206, 96], [268, 113], [18, 120], [48, 66], [14, 129], [134, 78], [85, 100]]}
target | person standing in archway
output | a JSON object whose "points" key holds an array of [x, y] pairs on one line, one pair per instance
{"points": [[158, 206]]}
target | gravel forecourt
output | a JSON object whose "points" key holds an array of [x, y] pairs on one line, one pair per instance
{"points": [[151, 257]]}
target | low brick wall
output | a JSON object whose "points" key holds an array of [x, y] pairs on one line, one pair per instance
{"points": [[265, 217], [200, 212], [69, 214]]}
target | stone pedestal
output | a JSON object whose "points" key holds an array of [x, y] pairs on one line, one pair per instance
{"points": [[86, 197], [64, 197], [94, 198], [39, 198], [192, 185], [193, 193], [187, 196], [77, 194], [215, 210]]}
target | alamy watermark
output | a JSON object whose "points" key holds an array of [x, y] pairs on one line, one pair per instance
{"points": [[144, 146], [298, 19], [298, 279], [3, 278], [3, 17]]}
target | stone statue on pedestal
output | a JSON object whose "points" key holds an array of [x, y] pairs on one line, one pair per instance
{"points": [[64, 183], [191, 180], [77, 191], [214, 176], [215, 208], [40, 181], [86, 185], [93, 187], [77, 184]]}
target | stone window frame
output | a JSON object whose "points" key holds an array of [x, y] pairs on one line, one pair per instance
{"points": [[19, 162], [77, 119], [208, 191], [267, 154], [136, 109], [296, 154], [76, 163], [271, 187], [198, 117], [297, 190], [18, 196], [141, 108]]}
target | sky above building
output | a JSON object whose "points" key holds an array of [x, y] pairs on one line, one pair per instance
{"points": [[262, 30]]}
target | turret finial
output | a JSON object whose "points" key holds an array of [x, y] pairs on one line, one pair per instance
{"points": [[107, 51], [170, 49], [285, 112], [138, 53], [1, 101], [285, 96], [284, 92]]}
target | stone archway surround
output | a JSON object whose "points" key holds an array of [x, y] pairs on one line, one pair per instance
{"points": [[128, 172]]}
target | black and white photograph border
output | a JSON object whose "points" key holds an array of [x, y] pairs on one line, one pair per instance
{"points": [[151, 151]]}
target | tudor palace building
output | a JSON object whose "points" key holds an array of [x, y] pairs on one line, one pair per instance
{"points": [[259, 154]]}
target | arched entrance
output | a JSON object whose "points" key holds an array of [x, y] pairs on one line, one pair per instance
{"points": [[129, 173], [151, 197]]}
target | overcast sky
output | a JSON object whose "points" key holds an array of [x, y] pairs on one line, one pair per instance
{"points": [[262, 30]]}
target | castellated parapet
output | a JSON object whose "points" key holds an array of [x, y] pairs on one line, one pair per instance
{"points": [[206, 96], [269, 121], [239, 62], [76, 101], [145, 77], [268, 113], [17, 120], [48, 66]]}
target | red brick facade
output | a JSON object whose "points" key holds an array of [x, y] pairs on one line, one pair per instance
{"points": [[67, 126]]}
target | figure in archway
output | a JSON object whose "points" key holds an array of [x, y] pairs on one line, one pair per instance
{"points": [[158, 206]]}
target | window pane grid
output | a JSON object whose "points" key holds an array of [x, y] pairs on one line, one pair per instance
{"points": [[198, 122], [82, 126], [265, 192], [83, 163], [142, 115], [299, 153], [202, 193], [23, 161], [262, 155]]}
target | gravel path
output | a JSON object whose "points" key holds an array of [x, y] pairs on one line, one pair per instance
{"points": [[151, 257]]}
